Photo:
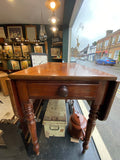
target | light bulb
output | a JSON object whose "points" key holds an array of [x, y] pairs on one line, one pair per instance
{"points": [[54, 29], [52, 5], [53, 20]]}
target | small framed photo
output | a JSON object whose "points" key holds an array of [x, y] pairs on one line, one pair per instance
{"points": [[31, 32], [25, 50], [38, 49], [8, 50], [14, 65], [2, 32], [1, 49], [24, 64], [17, 51], [55, 51], [15, 32]]}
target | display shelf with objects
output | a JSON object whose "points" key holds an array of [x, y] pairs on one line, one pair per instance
{"points": [[19, 41]]}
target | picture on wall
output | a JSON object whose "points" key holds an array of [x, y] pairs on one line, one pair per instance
{"points": [[0, 49], [29, 48], [38, 49], [15, 32], [2, 33], [31, 32], [55, 51], [17, 51], [25, 50], [24, 64], [8, 50], [15, 65]]}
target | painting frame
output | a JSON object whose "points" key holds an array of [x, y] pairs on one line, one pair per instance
{"points": [[38, 49], [8, 50], [55, 51], [15, 32], [17, 51], [31, 32], [15, 64], [25, 50], [24, 64], [1, 49]]}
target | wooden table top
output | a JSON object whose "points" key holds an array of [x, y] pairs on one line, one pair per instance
{"points": [[61, 71], [3, 74]]}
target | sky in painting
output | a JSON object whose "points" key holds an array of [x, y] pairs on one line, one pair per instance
{"points": [[92, 21]]}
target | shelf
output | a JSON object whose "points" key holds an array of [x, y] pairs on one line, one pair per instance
{"points": [[24, 43], [56, 58], [57, 43], [3, 59]]}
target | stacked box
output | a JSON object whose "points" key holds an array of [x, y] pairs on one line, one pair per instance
{"points": [[55, 119]]}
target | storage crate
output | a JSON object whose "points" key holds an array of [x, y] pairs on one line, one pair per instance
{"points": [[55, 119]]}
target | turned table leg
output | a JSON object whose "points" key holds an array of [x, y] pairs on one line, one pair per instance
{"points": [[90, 126], [29, 114]]}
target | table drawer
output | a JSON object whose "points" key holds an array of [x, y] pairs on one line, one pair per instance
{"points": [[61, 90]]}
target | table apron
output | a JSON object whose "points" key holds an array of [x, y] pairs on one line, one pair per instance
{"points": [[51, 90]]}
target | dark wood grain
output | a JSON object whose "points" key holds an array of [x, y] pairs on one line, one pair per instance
{"points": [[61, 71], [52, 90], [63, 81]]}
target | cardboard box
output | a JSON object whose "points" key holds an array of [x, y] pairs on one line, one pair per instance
{"points": [[55, 119]]}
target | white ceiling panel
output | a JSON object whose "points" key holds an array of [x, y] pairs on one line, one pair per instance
{"points": [[27, 12]]}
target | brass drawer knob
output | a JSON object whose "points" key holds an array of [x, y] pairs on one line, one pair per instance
{"points": [[63, 91]]}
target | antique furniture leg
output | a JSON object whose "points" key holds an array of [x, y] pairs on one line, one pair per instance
{"points": [[90, 126], [29, 114]]}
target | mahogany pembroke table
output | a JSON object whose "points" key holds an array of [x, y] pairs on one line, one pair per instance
{"points": [[61, 81]]}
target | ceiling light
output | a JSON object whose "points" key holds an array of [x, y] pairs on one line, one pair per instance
{"points": [[52, 4], [54, 28], [53, 20]]}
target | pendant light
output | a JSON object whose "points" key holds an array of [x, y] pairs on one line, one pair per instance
{"points": [[53, 19], [52, 4]]}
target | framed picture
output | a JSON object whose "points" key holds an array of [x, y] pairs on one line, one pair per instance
{"points": [[38, 49], [55, 51], [38, 58], [17, 51], [31, 32], [29, 48], [15, 65], [24, 64], [25, 50], [0, 49], [2, 33], [15, 32], [8, 50]]}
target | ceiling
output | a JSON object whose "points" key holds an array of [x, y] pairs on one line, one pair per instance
{"points": [[27, 12]]}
